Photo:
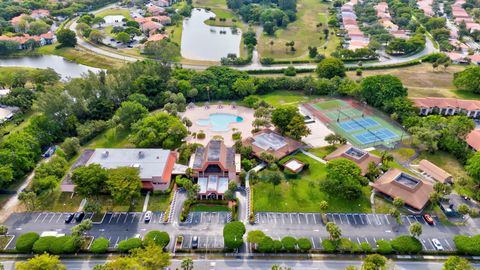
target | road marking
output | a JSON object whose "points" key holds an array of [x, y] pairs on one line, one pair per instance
{"points": [[46, 215], [37, 217], [111, 217], [126, 217], [201, 216], [448, 244], [314, 219], [59, 218], [118, 218], [313, 243], [368, 220], [358, 240], [133, 218], [52, 218], [18, 229], [116, 242], [423, 244], [386, 218], [291, 220], [101, 230], [298, 218]]}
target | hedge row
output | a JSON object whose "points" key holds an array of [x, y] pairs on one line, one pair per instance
{"points": [[468, 245], [287, 244], [404, 244], [57, 245], [233, 235]]}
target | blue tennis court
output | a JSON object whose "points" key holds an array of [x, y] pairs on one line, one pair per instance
{"points": [[371, 136], [358, 124]]}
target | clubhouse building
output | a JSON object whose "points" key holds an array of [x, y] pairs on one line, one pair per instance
{"points": [[271, 142], [357, 155], [447, 106]]}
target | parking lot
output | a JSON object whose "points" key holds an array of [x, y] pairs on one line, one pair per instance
{"points": [[131, 218], [204, 241], [353, 219], [45, 218], [208, 218]]}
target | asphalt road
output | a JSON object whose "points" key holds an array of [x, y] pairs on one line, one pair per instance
{"points": [[222, 264]]}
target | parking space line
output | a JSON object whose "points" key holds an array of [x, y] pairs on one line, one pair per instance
{"points": [[358, 240], [423, 244], [46, 215], [52, 217], [116, 242], [58, 219], [368, 220], [111, 217], [118, 218], [37, 217], [448, 244], [133, 218], [313, 243], [386, 219]]}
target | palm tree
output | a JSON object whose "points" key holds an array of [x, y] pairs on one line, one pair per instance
{"points": [[187, 264], [334, 231], [386, 157]]}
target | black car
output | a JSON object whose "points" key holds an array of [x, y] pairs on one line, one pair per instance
{"points": [[195, 242], [69, 218], [79, 216]]}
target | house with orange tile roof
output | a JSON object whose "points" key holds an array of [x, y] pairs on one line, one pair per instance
{"points": [[434, 172], [447, 106], [473, 139]]}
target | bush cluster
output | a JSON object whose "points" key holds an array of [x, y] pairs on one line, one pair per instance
{"points": [[25, 242], [100, 245], [160, 239], [468, 245], [57, 245], [129, 244], [233, 235]]}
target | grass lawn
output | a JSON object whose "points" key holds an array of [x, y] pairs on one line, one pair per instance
{"points": [[114, 11], [158, 202], [304, 194], [393, 164], [81, 56], [303, 32], [402, 154], [175, 32], [322, 152], [112, 138], [422, 81], [209, 208], [4, 241], [445, 161], [63, 202], [285, 97]]}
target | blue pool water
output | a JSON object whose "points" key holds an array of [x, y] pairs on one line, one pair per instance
{"points": [[219, 121]]}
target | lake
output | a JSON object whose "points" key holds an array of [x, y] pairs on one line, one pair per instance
{"points": [[204, 42], [63, 67]]}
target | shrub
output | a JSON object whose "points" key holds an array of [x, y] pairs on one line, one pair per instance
{"points": [[290, 71], [346, 245], [277, 245], [289, 243], [467, 245], [26, 241], [366, 247], [304, 244], [100, 245], [233, 234], [329, 245], [71, 245], [384, 247], [43, 244], [266, 245], [161, 239], [200, 135], [406, 244], [129, 244]]}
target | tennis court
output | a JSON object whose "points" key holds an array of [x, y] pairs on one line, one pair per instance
{"points": [[361, 125], [377, 135], [358, 124]]}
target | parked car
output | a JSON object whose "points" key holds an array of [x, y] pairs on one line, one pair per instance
{"points": [[69, 218], [428, 218], [466, 198], [436, 243], [49, 152], [79, 216], [195, 242], [148, 216]]}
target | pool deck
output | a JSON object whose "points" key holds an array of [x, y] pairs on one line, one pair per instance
{"points": [[196, 113]]}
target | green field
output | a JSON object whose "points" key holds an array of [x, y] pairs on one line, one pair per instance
{"points": [[303, 32], [158, 202], [114, 11], [209, 208], [81, 56], [304, 194], [322, 152], [112, 138], [286, 98]]}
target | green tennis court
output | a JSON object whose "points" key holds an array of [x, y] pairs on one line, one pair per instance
{"points": [[330, 104], [343, 113]]}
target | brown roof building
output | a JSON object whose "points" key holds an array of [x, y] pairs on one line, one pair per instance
{"points": [[360, 157], [473, 139], [447, 106], [397, 184], [271, 142], [434, 172]]}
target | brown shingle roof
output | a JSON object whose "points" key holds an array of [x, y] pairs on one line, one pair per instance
{"points": [[362, 162], [431, 102], [289, 145], [413, 191], [434, 171]]}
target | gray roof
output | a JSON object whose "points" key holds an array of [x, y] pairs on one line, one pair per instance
{"points": [[152, 162], [215, 151], [269, 141]]}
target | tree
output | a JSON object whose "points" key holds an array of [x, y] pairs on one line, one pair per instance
{"points": [[273, 177], [38, 27], [90, 180], [163, 50], [158, 130], [278, 267], [129, 113], [157, 237], [3, 230], [468, 79], [398, 202], [289, 121], [41, 262], [123, 37], [334, 231], [126, 262], [374, 262], [330, 67], [255, 236], [187, 264], [66, 38], [96, 36], [244, 87], [233, 235], [415, 229], [378, 89], [151, 257], [124, 183], [297, 129], [84, 226], [323, 206], [99, 21], [464, 209], [29, 199], [70, 147], [344, 179], [457, 263]]}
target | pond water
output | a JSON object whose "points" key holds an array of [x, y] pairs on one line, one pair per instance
{"points": [[113, 19], [204, 42], [63, 67]]}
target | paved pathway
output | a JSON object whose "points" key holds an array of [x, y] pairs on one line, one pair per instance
{"points": [[313, 156]]}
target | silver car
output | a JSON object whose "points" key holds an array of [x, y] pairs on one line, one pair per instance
{"points": [[436, 243]]}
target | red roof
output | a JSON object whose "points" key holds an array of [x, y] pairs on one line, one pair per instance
{"points": [[167, 173], [473, 139], [431, 102]]}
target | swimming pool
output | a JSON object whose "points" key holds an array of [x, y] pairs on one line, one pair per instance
{"points": [[219, 121]]}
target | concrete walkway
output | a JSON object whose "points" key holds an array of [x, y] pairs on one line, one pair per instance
{"points": [[313, 156], [145, 203]]}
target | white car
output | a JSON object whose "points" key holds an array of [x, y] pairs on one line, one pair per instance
{"points": [[436, 243], [148, 216]]}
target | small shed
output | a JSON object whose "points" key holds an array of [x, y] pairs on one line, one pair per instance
{"points": [[294, 165]]}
